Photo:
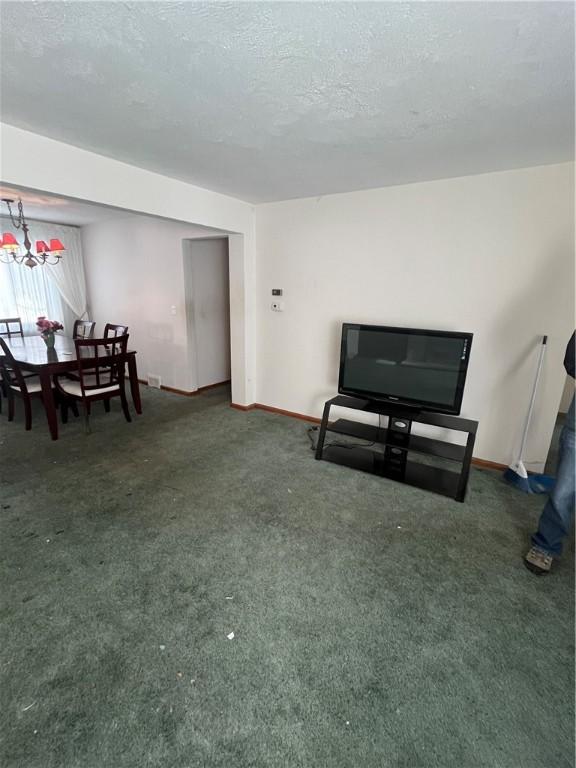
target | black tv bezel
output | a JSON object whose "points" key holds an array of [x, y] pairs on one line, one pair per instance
{"points": [[422, 405]]}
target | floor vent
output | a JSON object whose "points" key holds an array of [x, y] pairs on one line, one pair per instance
{"points": [[154, 381]]}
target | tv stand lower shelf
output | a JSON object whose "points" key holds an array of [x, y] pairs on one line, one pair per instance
{"points": [[394, 452]]}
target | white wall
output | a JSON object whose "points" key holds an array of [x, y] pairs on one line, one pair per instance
{"points": [[207, 310], [36, 162], [135, 276], [491, 254]]}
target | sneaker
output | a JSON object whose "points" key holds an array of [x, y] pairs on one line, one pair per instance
{"points": [[538, 562]]}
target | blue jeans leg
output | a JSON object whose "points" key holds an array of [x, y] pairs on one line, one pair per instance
{"points": [[557, 515]]}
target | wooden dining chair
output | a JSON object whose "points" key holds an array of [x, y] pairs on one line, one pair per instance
{"points": [[111, 330], [100, 376], [26, 386], [83, 329], [11, 326]]}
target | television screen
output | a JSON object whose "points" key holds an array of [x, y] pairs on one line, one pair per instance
{"points": [[421, 368]]}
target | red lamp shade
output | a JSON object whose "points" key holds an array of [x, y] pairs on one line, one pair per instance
{"points": [[9, 241], [41, 246], [56, 245]]}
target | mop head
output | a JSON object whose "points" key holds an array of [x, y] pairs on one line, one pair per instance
{"points": [[541, 483], [517, 476]]}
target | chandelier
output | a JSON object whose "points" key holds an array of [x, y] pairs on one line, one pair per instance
{"points": [[11, 252]]}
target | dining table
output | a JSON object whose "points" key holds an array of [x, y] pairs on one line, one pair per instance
{"points": [[32, 355]]}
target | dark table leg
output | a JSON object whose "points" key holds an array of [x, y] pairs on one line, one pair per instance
{"points": [[49, 405], [134, 385]]}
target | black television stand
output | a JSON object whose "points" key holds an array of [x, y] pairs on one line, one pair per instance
{"points": [[393, 451]]}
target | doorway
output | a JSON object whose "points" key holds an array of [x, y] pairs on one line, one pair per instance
{"points": [[207, 295]]}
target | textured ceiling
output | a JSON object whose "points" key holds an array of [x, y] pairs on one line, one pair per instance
{"points": [[267, 101]]}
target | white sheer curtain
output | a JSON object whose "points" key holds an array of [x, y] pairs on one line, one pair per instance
{"points": [[58, 291], [28, 293], [68, 274]]}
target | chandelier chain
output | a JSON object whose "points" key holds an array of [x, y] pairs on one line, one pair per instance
{"points": [[12, 255], [16, 222]]}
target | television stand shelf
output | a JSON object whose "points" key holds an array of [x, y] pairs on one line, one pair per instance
{"points": [[394, 452]]}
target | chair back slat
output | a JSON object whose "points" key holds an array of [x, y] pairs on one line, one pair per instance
{"points": [[101, 362], [11, 326], [83, 329], [111, 330]]}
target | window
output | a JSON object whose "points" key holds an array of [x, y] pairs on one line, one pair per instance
{"points": [[28, 293], [57, 292]]}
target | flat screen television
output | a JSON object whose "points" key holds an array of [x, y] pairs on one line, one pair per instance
{"points": [[415, 367]]}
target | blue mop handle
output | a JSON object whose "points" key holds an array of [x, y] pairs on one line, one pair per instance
{"points": [[533, 398]]}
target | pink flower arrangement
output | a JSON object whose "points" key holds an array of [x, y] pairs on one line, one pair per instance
{"points": [[46, 327]]}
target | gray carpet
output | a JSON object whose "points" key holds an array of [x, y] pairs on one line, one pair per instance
{"points": [[374, 624]]}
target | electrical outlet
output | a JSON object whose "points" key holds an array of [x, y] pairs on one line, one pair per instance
{"points": [[277, 306], [154, 381]]}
